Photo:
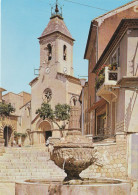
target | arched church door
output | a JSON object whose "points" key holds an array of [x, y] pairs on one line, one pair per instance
{"points": [[45, 128], [48, 134], [7, 135]]}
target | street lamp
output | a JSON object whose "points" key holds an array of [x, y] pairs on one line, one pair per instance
{"points": [[82, 81]]}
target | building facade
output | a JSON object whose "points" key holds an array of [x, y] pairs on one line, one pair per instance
{"points": [[54, 84], [98, 38], [112, 92]]}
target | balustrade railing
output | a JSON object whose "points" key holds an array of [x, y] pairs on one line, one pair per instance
{"points": [[102, 133], [111, 76]]}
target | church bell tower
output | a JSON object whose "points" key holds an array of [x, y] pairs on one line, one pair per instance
{"points": [[56, 45]]}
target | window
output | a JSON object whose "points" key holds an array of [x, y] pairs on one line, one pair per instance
{"points": [[118, 56], [49, 47], [74, 101], [47, 95], [64, 52], [115, 57]]}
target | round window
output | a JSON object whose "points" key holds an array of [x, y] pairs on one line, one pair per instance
{"points": [[47, 95]]}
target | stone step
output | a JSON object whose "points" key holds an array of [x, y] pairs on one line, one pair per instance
{"points": [[25, 160], [44, 153], [27, 174], [45, 172], [23, 178], [30, 170], [25, 151], [28, 163], [32, 167], [31, 174], [36, 159]]}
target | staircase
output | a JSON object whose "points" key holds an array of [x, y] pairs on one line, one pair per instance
{"points": [[18, 164]]}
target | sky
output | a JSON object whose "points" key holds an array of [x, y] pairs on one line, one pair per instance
{"points": [[23, 21]]}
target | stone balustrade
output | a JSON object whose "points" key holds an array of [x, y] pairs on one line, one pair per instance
{"points": [[111, 76]]}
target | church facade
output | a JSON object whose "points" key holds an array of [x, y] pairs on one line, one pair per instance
{"points": [[54, 84]]}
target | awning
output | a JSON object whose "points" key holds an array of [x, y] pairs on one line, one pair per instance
{"points": [[97, 104]]}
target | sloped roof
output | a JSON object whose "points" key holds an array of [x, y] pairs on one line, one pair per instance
{"points": [[2, 89], [118, 34], [118, 9], [70, 78], [97, 21], [34, 80], [56, 24]]}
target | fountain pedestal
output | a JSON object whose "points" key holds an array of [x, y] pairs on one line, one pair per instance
{"points": [[74, 153]]}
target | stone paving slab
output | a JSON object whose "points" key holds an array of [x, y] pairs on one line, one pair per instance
{"points": [[7, 188]]}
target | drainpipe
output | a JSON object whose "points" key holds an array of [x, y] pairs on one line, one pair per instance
{"points": [[96, 51], [82, 81], [96, 48], [96, 42]]}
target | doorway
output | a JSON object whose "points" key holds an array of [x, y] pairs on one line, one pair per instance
{"points": [[48, 134], [101, 123], [7, 135], [45, 131]]}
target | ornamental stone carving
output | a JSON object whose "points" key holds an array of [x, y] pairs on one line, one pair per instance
{"points": [[74, 153]]}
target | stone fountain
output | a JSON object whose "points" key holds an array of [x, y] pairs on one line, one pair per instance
{"points": [[74, 153]]}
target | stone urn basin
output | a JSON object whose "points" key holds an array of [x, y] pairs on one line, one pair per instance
{"points": [[73, 154]]}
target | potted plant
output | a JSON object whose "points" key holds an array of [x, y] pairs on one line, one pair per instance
{"points": [[99, 81], [112, 66]]}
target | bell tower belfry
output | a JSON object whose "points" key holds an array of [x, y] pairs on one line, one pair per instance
{"points": [[55, 83], [56, 45]]}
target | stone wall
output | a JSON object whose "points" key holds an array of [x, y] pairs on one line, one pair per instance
{"points": [[113, 156], [75, 114], [119, 126]]}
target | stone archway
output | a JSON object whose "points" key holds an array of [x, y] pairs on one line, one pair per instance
{"points": [[6, 128], [45, 131], [7, 135]]}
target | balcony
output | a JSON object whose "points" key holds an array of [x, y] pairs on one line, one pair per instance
{"points": [[108, 80], [104, 135]]}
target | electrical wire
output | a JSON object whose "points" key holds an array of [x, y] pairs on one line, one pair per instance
{"points": [[86, 5]]}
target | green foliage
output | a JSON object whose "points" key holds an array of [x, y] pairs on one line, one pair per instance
{"points": [[6, 109], [112, 66], [61, 113], [45, 111], [99, 81], [20, 134]]}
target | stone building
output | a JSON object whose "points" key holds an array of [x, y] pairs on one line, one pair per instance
{"points": [[112, 94], [98, 38], [54, 84], [19, 121]]}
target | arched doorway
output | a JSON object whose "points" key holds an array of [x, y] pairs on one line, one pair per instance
{"points": [[45, 128], [7, 135]]}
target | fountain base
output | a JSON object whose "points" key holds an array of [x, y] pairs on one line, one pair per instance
{"points": [[80, 187]]}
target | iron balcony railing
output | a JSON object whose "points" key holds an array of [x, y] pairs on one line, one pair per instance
{"points": [[103, 133]]}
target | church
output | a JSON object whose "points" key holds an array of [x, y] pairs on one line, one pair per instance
{"points": [[55, 83]]}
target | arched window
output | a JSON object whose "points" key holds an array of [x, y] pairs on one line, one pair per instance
{"points": [[64, 52], [73, 101], [49, 47]]}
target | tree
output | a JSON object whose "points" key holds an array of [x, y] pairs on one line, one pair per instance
{"points": [[6, 109], [61, 113]]}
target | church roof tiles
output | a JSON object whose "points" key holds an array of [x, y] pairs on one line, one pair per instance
{"points": [[56, 24]]}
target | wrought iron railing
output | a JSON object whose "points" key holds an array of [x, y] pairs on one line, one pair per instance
{"points": [[102, 133]]}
